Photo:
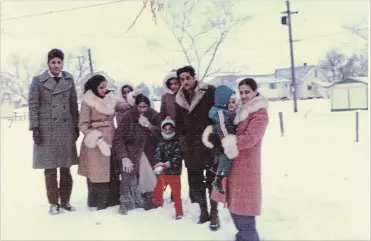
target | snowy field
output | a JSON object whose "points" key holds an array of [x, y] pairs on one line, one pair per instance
{"points": [[316, 186]]}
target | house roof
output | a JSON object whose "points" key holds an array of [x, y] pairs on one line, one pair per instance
{"points": [[270, 79], [300, 72], [352, 80]]}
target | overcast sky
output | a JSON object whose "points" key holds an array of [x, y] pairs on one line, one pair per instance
{"points": [[257, 48]]}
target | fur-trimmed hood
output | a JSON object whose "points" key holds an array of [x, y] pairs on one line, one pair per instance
{"points": [[199, 92], [104, 105], [255, 104], [170, 75]]}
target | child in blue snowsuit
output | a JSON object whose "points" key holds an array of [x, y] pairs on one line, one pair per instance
{"points": [[221, 133]]}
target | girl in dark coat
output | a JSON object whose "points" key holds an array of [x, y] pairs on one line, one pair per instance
{"points": [[168, 167]]}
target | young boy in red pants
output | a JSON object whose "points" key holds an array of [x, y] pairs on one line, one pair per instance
{"points": [[168, 167]]}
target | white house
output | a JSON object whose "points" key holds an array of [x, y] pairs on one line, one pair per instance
{"points": [[272, 88], [310, 80], [349, 94]]}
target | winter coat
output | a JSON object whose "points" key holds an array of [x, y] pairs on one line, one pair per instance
{"points": [[169, 151], [96, 120], [53, 109], [131, 139], [243, 184], [191, 120], [168, 99], [223, 126]]}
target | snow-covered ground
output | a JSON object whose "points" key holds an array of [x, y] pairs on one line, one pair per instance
{"points": [[316, 186]]}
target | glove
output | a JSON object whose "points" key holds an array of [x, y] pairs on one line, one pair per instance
{"points": [[104, 147], [215, 140], [127, 165], [158, 170], [77, 133], [36, 136], [143, 121], [160, 164], [167, 164]]}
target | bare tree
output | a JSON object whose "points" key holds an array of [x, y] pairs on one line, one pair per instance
{"points": [[338, 66], [77, 63], [18, 76], [200, 28]]}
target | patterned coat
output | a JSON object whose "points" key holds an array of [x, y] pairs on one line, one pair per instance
{"points": [[191, 121], [243, 184], [131, 139], [96, 120], [169, 150], [53, 109]]}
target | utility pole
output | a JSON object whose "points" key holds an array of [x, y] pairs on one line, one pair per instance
{"points": [[286, 20], [90, 62]]}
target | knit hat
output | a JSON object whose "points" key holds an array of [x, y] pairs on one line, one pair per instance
{"points": [[167, 135], [55, 53], [169, 76], [167, 121], [222, 96]]}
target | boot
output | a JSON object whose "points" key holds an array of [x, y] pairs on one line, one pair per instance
{"points": [[102, 192], [67, 207], [147, 201], [123, 210], [214, 220], [54, 209], [204, 217]]}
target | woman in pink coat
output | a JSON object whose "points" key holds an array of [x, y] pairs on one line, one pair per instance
{"points": [[243, 184]]}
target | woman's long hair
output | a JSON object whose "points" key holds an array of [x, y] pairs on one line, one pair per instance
{"points": [[93, 83]]}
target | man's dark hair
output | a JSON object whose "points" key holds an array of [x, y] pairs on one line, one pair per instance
{"points": [[55, 53], [93, 83], [249, 82], [186, 69]]}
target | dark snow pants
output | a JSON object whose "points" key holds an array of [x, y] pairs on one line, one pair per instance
{"points": [[63, 192], [198, 183], [246, 227]]}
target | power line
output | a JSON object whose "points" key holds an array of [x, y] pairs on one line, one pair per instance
{"points": [[62, 10], [128, 37]]}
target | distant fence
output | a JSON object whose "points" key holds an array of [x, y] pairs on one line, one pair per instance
{"points": [[17, 116], [352, 118]]}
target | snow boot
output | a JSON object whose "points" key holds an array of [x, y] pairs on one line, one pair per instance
{"points": [[67, 207], [178, 217], [54, 209], [147, 201], [214, 220], [204, 217], [123, 210]]}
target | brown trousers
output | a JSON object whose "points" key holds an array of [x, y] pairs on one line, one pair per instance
{"points": [[63, 192]]}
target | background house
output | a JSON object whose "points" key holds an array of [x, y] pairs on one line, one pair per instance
{"points": [[310, 80]]}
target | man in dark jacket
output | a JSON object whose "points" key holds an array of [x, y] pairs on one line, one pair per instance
{"points": [[193, 102]]}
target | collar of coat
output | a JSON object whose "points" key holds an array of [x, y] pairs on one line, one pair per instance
{"points": [[199, 92], [255, 104], [104, 105], [51, 75], [66, 82]]}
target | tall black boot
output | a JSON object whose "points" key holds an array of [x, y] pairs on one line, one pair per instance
{"points": [[102, 192], [214, 216]]}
